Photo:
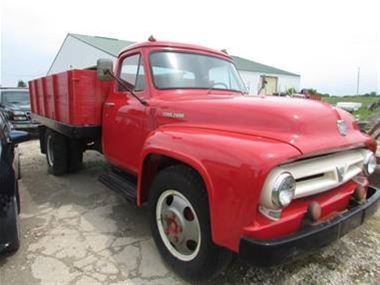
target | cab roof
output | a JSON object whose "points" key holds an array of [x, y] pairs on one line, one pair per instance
{"points": [[164, 44]]}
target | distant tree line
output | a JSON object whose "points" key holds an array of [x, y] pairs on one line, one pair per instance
{"points": [[21, 84], [371, 94]]}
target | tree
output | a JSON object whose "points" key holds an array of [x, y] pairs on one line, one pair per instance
{"points": [[290, 91], [21, 84], [312, 91]]}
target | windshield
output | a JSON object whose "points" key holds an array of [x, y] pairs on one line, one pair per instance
{"points": [[179, 70], [15, 97]]}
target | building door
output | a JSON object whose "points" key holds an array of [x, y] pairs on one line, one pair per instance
{"points": [[270, 84]]}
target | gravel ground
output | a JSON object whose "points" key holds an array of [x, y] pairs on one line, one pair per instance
{"points": [[76, 231]]}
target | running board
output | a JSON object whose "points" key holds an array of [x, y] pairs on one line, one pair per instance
{"points": [[121, 183]]}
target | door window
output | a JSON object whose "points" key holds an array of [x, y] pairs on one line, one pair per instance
{"points": [[132, 72]]}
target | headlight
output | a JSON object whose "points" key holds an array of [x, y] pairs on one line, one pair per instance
{"points": [[283, 190], [369, 164]]}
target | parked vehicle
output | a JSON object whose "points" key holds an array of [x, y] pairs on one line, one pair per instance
{"points": [[9, 195], [15, 105], [268, 178], [349, 106]]}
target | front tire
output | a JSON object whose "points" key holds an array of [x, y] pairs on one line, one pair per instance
{"points": [[180, 224]]}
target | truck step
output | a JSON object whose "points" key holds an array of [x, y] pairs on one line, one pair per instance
{"points": [[121, 183]]}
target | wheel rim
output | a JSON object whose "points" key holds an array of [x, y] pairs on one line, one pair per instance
{"points": [[178, 225], [50, 154]]}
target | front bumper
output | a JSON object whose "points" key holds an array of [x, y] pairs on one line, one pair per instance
{"points": [[271, 252], [25, 126]]}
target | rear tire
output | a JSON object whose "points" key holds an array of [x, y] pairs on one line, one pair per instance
{"points": [[76, 155], [192, 254], [57, 149]]}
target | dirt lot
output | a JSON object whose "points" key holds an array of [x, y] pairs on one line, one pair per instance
{"points": [[76, 231]]}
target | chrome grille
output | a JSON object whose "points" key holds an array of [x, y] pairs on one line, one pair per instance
{"points": [[323, 173]]}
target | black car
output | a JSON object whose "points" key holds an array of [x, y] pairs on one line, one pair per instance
{"points": [[15, 105], [9, 195]]}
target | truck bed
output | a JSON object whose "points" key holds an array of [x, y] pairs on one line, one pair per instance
{"points": [[69, 101]]}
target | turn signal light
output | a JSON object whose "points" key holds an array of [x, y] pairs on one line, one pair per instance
{"points": [[360, 192], [314, 211]]}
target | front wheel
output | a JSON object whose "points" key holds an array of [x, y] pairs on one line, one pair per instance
{"points": [[180, 224]]}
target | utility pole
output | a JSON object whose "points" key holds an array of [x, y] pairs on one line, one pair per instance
{"points": [[358, 82]]}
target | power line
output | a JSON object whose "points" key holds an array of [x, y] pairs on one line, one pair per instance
{"points": [[358, 82]]}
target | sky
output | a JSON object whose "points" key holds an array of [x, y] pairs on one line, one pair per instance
{"points": [[323, 41]]}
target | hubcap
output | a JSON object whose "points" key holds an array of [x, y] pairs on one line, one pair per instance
{"points": [[178, 225], [49, 151]]}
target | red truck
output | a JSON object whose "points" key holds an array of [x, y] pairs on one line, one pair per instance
{"points": [[268, 178]]}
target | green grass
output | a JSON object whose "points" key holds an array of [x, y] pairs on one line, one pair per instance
{"points": [[363, 113]]}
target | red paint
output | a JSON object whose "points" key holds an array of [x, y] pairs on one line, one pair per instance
{"points": [[231, 140], [74, 97], [332, 201]]}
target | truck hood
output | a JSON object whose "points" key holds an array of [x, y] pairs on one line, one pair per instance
{"points": [[19, 107], [308, 125]]}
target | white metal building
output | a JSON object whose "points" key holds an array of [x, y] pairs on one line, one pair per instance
{"points": [[82, 51]]}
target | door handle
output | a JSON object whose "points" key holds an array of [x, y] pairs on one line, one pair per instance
{"points": [[109, 104]]}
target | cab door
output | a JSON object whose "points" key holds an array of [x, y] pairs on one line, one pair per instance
{"points": [[124, 117]]}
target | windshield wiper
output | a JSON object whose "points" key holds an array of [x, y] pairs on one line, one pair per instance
{"points": [[127, 88]]}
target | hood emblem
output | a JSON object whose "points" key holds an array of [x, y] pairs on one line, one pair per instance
{"points": [[173, 115], [340, 171], [342, 127]]}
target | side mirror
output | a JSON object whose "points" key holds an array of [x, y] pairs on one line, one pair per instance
{"points": [[103, 68], [17, 137]]}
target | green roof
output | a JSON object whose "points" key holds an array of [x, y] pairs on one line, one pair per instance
{"points": [[108, 45], [114, 46], [250, 65]]}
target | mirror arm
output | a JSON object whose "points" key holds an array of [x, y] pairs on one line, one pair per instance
{"points": [[122, 83]]}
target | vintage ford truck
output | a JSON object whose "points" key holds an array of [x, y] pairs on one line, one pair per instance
{"points": [[268, 178]]}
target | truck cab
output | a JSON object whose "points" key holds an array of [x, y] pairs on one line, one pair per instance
{"points": [[268, 178], [167, 77]]}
